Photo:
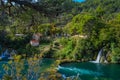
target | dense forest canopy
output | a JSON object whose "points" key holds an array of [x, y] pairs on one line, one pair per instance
{"points": [[47, 7], [97, 19]]}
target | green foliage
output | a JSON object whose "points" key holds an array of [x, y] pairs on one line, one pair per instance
{"points": [[77, 25], [19, 43], [110, 6], [68, 46], [99, 33], [99, 11], [44, 28], [48, 29], [84, 24], [74, 48], [115, 55]]}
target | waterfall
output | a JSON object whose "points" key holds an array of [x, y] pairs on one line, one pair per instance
{"points": [[4, 54], [7, 55], [98, 57]]}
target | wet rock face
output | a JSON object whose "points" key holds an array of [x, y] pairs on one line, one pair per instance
{"points": [[102, 60]]}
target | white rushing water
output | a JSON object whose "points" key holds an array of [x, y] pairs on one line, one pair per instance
{"points": [[80, 71], [98, 57]]}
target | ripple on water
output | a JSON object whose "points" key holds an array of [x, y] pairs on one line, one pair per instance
{"points": [[80, 71]]}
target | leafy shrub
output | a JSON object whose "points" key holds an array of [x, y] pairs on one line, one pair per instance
{"points": [[115, 53]]}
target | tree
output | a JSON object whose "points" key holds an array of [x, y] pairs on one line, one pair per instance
{"points": [[48, 7], [85, 24], [99, 11]]}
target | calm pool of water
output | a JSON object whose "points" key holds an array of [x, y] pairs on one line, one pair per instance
{"points": [[91, 71]]}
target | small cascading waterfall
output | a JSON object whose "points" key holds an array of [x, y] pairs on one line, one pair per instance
{"points": [[6, 54], [98, 57]]}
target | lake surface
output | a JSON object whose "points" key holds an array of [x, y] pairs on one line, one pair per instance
{"points": [[86, 70], [91, 71]]}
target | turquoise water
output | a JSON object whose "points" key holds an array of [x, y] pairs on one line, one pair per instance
{"points": [[79, 0], [44, 65], [86, 70], [1, 67], [91, 71]]}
